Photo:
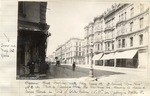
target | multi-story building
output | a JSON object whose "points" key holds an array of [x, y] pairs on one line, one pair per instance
{"points": [[32, 34], [121, 36], [63, 53], [59, 53], [109, 34], [74, 51], [98, 39], [89, 40], [71, 51], [132, 30]]}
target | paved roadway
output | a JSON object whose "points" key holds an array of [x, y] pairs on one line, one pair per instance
{"points": [[100, 72]]}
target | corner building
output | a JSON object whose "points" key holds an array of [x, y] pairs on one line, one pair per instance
{"points": [[32, 35], [121, 36], [132, 30]]}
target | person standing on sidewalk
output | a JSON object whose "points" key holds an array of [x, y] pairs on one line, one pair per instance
{"points": [[73, 66], [31, 65]]}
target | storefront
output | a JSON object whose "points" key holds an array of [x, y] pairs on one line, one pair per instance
{"points": [[96, 58], [108, 59], [127, 58]]}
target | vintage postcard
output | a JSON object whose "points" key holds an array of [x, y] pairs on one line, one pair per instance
{"points": [[74, 48]]}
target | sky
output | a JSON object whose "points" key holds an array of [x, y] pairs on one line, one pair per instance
{"points": [[67, 19]]}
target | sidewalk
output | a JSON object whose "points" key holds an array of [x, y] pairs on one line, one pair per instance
{"points": [[116, 73], [109, 68], [115, 69]]}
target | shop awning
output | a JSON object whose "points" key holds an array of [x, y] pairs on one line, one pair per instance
{"points": [[126, 54], [108, 56], [97, 57]]}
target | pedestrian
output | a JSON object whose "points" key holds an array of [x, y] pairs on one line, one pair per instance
{"points": [[73, 66], [31, 65], [57, 63]]}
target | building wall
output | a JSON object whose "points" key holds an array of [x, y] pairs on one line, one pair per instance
{"points": [[121, 22], [71, 51], [32, 12], [32, 35], [59, 52], [139, 20], [89, 41]]}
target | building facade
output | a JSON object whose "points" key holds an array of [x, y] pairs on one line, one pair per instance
{"points": [[89, 41], [71, 51], [32, 34], [59, 53], [132, 30], [98, 39], [121, 36]]}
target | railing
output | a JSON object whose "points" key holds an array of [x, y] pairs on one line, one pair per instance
{"points": [[120, 22]]}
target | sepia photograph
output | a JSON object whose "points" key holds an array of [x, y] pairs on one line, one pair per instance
{"points": [[104, 41]]}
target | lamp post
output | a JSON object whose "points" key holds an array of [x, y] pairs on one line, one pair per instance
{"points": [[91, 73]]}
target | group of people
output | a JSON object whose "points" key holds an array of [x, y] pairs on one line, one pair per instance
{"points": [[43, 67]]}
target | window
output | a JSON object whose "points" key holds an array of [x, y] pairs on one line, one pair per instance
{"points": [[102, 46], [119, 43], [122, 17], [76, 53], [80, 44], [98, 47], [76, 43], [95, 47], [79, 53], [141, 39], [112, 46], [131, 26], [123, 43], [108, 45], [131, 41], [132, 11], [76, 48], [141, 22], [125, 15], [79, 48], [105, 46]]}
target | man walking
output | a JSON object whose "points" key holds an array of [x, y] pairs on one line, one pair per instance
{"points": [[73, 66]]}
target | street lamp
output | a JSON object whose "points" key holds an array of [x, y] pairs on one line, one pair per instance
{"points": [[91, 73]]}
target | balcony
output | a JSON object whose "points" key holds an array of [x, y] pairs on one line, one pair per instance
{"points": [[98, 40], [121, 22], [32, 26], [109, 51], [109, 28], [98, 31], [109, 39], [91, 34], [98, 51]]}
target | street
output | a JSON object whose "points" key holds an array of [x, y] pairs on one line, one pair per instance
{"points": [[100, 73]]}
